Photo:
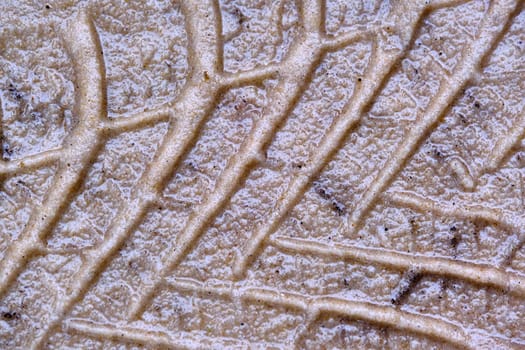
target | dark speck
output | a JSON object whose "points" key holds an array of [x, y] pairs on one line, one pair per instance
{"points": [[14, 92], [454, 242], [321, 191], [9, 315], [476, 105], [338, 207]]}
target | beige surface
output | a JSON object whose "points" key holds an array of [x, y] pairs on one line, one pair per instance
{"points": [[251, 174]]}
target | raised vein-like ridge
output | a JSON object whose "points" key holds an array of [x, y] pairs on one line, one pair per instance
{"points": [[196, 97], [382, 63], [492, 28], [315, 306], [182, 340], [302, 58], [474, 273], [80, 148], [188, 113]]}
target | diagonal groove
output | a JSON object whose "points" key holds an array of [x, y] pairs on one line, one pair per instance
{"points": [[474, 273], [283, 97], [381, 315], [81, 146], [198, 97], [138, 120], [255, 75], [465, 212], [343, 40], [494, 25], [186, 115], [380, 67], [33, 161], [505, 144], [507, 220], [181, 340]]}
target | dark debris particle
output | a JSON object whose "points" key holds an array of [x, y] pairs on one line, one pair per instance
{"points": [[8, 152], [14, 92], [35, 115], [409, 280], [338, 208], [453, 229], [9, 315], [454, 242], [321, 191], [476, 104]]}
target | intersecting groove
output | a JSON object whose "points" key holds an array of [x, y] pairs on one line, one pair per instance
{"points": [[475, 273], [505, 144], [507, 220], [138, 120], [282, 99], [381, 64], [81, 146], [316, 305], [186, 115], [252, 76], [493, 25], [504, 219], [340, 41], [196, 100], [30, 162]]}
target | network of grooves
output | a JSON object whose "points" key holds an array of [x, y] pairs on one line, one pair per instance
{"points": [[187, 113]]}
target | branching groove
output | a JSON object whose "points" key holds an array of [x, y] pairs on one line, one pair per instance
{"points": [[186, 114]]}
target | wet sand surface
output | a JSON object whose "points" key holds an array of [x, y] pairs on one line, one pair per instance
{"points": [[262, 174]]}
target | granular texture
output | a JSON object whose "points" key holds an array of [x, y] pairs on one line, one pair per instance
{"points": [[208, 174]]}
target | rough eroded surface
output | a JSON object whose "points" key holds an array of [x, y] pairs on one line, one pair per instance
{"points": [[262, 174]]}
